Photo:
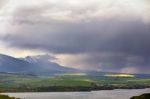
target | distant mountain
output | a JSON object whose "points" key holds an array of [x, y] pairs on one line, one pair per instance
{"points": [[44, 61], [42, 64], [33, 65], [11, 64]]}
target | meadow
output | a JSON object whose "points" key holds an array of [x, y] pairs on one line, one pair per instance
{"points": [[11, 82]]}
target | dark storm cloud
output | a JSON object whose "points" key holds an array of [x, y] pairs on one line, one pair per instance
{"points": [[115, 62], [129, 37], [116, 43]]}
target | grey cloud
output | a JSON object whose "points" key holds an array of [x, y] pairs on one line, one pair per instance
{"points": [[2, 3], [120, 38], [115, 62], [45, 57], [36, 14], [125, 38], [48, 12], [147, 1]]}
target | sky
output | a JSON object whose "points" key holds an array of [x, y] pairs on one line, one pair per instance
{"points": [[101, 35]]}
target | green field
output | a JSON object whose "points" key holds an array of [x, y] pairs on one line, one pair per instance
{"points": [[7, 97], [69, 82]]}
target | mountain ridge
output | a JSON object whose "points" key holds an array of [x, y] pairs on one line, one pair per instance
{"points": [[22, 65]]}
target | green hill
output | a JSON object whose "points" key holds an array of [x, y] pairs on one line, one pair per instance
{"points": [[7, 97], [144, 96]]}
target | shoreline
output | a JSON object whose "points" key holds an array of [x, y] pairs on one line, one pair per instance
{"points": [[73, 91], [103, 94]]}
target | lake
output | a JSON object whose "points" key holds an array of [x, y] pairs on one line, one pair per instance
{"points": [[104, 94]]}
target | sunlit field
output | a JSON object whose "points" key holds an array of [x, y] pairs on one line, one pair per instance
{"points": [[119, 75]]}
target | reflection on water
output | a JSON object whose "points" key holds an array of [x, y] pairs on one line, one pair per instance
{"points": [[104, 94]]}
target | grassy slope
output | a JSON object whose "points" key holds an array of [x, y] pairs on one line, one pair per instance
{"points": [[144, 96], [15, 81], [7, 97]]}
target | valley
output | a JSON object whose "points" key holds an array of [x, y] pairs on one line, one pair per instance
{"points": [[13, 82], [39, 74]]}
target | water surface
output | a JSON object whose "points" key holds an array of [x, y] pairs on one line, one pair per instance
{"points": [[104, 94]]}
